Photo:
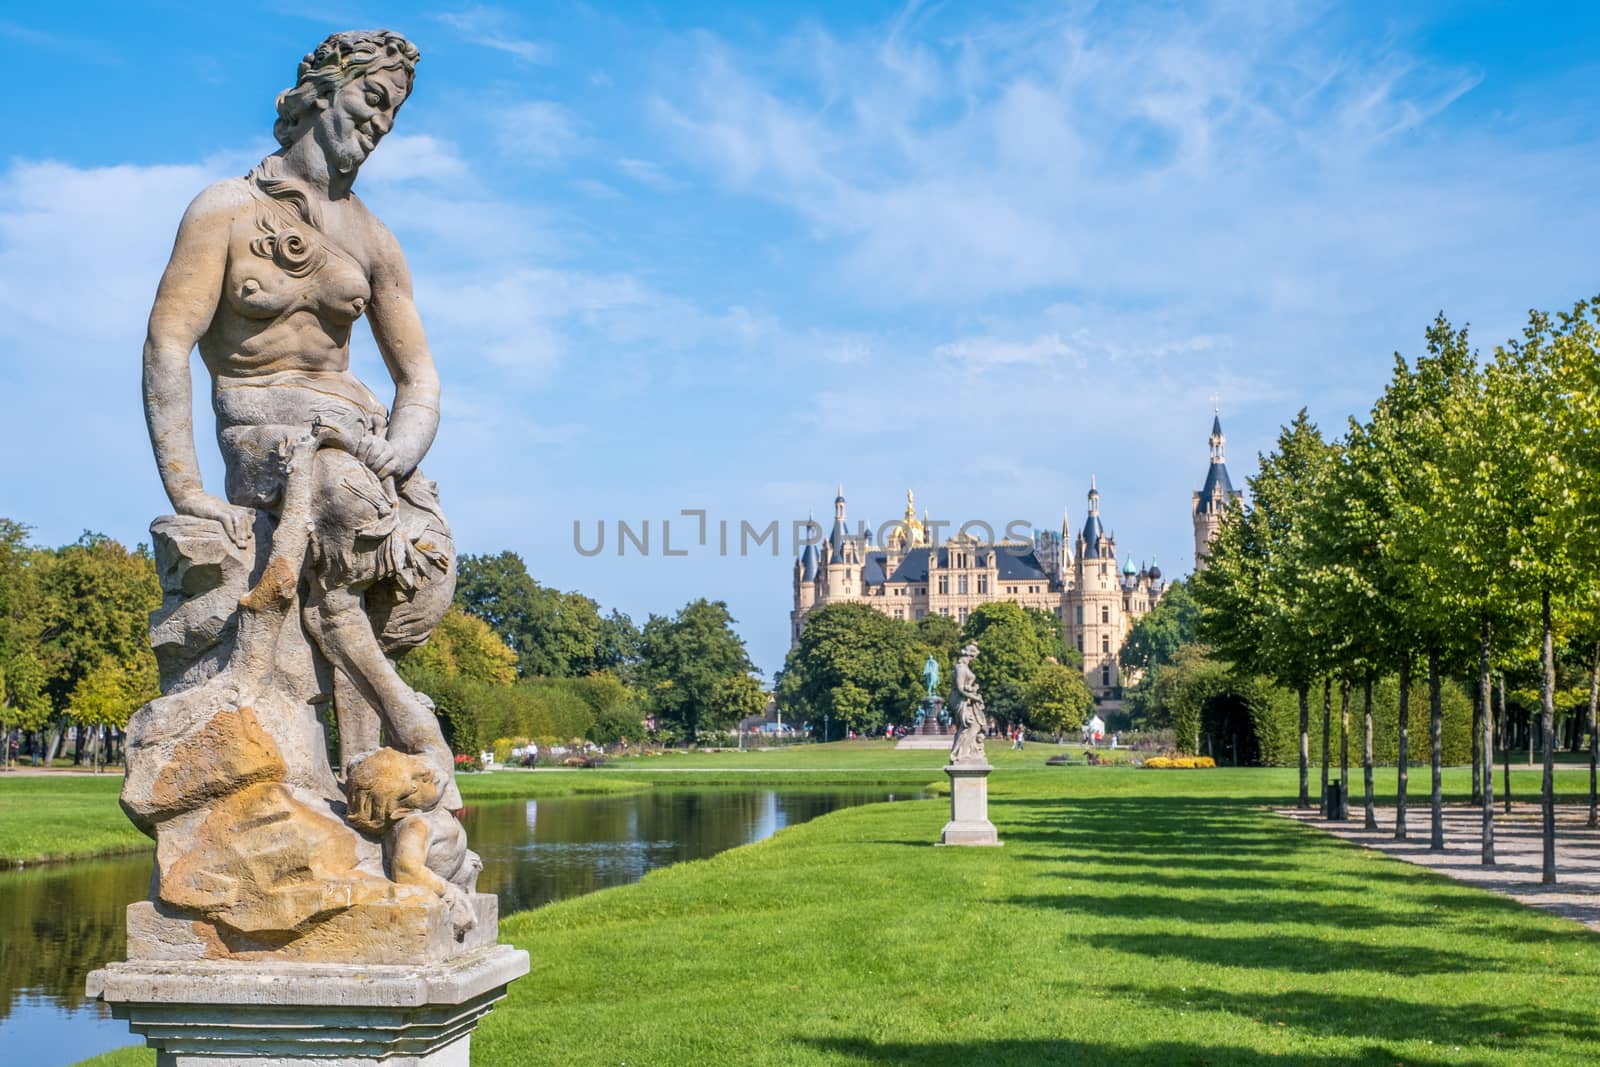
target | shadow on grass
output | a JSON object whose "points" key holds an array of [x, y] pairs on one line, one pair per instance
{"points": [[1020, 1052], [1383, 1018]]}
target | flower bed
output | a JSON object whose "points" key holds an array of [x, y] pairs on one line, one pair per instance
{"points": [[1180, 763]]}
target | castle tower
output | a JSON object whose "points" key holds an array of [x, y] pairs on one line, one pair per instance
{"points": [[841, 556], [1097, 600], [1211, 502]]}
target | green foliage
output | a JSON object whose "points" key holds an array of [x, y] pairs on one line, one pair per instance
{"points": [[1058, 700], [463, 646], [554, 634], [687, 664], [858, 667], [1161, 631], [1051, 632], [1008, 655], [1190, 695]]}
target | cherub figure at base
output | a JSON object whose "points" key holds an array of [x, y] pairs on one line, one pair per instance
{"points": [[397, 796]]}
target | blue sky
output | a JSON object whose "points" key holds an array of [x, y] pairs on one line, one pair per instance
{"points": [[690, 257]]}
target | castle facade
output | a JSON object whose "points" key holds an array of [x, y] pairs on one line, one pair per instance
{"points": [[1077, 579]]}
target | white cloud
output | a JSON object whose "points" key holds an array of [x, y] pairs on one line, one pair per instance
{"points": [[414, 158], [536, 132], [493, 28]]}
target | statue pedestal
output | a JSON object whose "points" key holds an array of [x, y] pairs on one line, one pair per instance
{"points": [[241, 1014], [969, 806]]}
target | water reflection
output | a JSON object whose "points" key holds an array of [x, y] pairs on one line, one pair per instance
{"points": [[58, 923]]}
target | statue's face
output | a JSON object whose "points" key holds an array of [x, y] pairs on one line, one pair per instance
{"points": [[359, 115]]}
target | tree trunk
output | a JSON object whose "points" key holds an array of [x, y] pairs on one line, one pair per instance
{"points": [[1366, 751], [1404, 755], [56, 736], [1327, 728], [1435, 752], [1594, 740], [1547, 701], [77, 744], [1486, 722], [1477, 750], [1305, 750], [1344, 743], [1505, 740]]}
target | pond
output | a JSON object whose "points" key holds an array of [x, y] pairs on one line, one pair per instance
{"points": [[58, 923]]}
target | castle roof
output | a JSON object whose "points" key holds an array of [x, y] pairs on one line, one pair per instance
{"points": [[808, 564], [836, 538], [1091, 535], [1009, 566], [1218, 487]]}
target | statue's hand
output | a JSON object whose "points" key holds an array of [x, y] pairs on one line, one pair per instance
{"points": [[236, 521], [378, 454]]}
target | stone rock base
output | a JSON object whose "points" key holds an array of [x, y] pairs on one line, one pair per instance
{"points": [[238, 1014], [969, 806], [385, 932]]}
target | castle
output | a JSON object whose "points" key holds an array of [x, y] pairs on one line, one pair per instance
{"points": [[912, 574]]}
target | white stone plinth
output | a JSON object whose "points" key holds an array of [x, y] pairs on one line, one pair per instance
{"points": [[241, 1014], [969, 806]]}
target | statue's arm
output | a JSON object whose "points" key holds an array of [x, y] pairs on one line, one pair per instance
{"points": [[397, 328], [185, 302]]}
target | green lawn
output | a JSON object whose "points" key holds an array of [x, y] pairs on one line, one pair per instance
{"points": [[63, 815], [1133, 917]]}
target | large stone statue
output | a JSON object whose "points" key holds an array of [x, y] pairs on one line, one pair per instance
{"points": [[324, 556], [302, 910], [971, 718]]}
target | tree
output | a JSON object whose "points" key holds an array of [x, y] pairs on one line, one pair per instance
{"points": [[1008, 656], [1255, 594], [688, 663], [1546, 387], [24, 703], [1057, 698], [554, 634], [463, 646], [109, 693], [1051, 632], [1155, 639], [855, 667]]}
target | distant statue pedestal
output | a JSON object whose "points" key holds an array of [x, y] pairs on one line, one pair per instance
{"points": [[196, 1013], [930, 732], [969, 806]]}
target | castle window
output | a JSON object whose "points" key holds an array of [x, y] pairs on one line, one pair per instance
{"points": [[961, 584], [983, 583], [1080, 642], [1105, 613], [1105, 676], [1102, 570], [1080, 619], [1105, 643], [963, 615], [944, 585], [920, 613], [899, 613]]}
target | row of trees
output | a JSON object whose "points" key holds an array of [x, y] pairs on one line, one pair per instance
{"points": [[511, 658], [73, 645], [515, 658], [1452, 531], [856, 668]]}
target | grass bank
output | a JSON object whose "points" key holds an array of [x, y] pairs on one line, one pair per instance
{"points": [[68, 816], [1133, 917]]}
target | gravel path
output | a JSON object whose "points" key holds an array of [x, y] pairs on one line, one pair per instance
{"points": [[1518, 852]]}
